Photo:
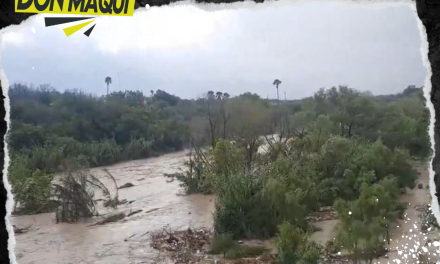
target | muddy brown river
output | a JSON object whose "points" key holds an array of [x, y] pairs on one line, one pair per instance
{"points": [[48, 242], [163, 205]]}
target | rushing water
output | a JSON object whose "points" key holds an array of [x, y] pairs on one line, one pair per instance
{"points": [[63, 243], [127, 241]]}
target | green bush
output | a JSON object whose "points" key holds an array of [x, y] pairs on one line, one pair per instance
{"points": [[35, 193], [365, 222], [294, 247], [241, 210]]}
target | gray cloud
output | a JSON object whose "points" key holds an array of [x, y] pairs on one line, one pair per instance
{"points": [[187, 51]]}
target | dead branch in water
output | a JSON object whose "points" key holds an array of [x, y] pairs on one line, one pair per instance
{"points": [[134, 212], [75, 194], [110, 219], [18, 230]]}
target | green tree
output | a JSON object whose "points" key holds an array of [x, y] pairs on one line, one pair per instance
{"points": [[108, 81]]}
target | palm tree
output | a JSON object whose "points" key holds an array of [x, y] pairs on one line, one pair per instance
{"points": [[210, 95], [211, 116], [223, 97], [277, 83], [108, 81]]}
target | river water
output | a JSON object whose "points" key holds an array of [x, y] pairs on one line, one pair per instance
{"points": [[163, 205], [63, 243]]}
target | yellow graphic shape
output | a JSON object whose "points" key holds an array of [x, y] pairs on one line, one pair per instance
{"points": [[70, 30], [77, 7]]}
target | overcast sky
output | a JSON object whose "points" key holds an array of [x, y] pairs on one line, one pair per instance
{"points": [[187, 51]]}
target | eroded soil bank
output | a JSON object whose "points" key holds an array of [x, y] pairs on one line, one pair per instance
{"points": [[161, 202]]}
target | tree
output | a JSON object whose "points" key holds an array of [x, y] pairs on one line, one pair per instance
{"points": [[217, 115], [277, 83], [353, 111], [166, 97], [108, 81], [248, 120], [225, 116], [365, 222], [212, 116]]}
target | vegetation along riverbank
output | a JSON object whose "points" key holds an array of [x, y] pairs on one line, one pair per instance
{"points": [[341, 156]]}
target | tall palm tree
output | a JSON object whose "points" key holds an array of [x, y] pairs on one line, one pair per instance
{"points": [[210, 95], [223, 97], [211, 117], [277, 83], [108, 81]]}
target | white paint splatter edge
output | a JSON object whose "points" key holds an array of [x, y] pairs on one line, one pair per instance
{"points": [[250, 5], [10, 197], [427, 93]]}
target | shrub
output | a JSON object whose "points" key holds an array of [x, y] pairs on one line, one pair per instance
{"points": [[34, 197], [294, 247], [241, 210]]}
